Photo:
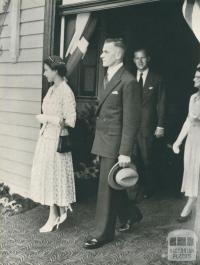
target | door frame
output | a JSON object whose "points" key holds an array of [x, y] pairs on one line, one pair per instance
{"points": [[96, 5]]}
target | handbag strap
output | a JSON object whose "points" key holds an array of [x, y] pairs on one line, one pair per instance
{"points": [[62, 126]]}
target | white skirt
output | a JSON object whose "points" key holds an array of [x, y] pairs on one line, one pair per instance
{"points": [[52, 175], [191, 173]]}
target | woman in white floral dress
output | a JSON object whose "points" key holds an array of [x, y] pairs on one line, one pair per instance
{"points": [[191, 130], [52, 176]]}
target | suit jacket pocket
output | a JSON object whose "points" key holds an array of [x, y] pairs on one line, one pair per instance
{"points": [[149, 92]]}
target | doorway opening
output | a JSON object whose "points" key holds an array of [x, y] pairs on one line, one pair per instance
{"points": [[161, 28]]}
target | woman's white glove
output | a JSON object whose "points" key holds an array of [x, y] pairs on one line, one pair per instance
{"points": [[53, 119], [194, 118], [176, 147], [43, 118]]}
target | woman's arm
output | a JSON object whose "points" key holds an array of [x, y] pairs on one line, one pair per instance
{"points": [[69, 107], [68, 110], [184, 130], [43, 118], [182, 135]]}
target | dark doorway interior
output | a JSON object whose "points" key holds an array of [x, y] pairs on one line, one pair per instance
{"points": [[161, 28], [174, 50]]}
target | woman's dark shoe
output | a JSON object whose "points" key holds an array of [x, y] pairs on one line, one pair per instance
{"points": [[183, 219], [95, 243]]}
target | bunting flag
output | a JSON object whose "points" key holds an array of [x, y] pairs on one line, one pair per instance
{"points": [[80, 24], [191, 13], [85, 26]]}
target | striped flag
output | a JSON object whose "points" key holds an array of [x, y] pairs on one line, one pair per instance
{"points": [[191, 13], [81, 22], [85, 26]]}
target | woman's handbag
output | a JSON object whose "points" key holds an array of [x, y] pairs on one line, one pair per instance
{"points": [[64, 142]]}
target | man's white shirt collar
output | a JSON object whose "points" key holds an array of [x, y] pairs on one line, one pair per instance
{"points": [[112, 70], [144, 75]]}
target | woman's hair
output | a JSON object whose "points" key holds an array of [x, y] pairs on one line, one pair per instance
{"points": [[56, 64]]}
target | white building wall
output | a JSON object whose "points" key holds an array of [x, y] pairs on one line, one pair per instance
{"points": [[20, 96]]}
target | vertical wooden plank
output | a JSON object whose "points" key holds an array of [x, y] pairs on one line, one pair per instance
{"points": [[15, 29], [62, 35], [49, 23]]}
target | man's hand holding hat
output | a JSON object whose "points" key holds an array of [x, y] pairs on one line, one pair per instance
{"points": [[124, 161], [122, 178]]}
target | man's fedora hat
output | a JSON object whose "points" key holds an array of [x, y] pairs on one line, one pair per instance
{"points": [[122, 178]]}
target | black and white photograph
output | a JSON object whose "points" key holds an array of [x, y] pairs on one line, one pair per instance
{"points": [[99, 132]]}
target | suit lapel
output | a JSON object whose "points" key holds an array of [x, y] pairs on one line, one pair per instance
{"points": [[147, 84], [111, 85], [148, 81]]}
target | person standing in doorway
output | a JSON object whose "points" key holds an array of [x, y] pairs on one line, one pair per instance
{"points": [[117, 124], [152, 93], [191, 131]]}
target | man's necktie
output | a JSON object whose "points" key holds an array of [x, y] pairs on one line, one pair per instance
{"points": [[141, 80], [141, 85], [105, 81]]}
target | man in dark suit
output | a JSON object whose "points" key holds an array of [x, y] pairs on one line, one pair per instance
{"points": [[153, 116], [117, 124]]}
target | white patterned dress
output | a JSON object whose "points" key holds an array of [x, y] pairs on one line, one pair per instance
{"points": [[52, 176], [192, 150]]}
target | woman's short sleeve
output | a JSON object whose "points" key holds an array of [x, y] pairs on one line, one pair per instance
{"points": [[69, 106]]}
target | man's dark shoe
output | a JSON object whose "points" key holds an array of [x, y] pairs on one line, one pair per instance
{"points": [[129, 224], [148, 194], [95, 243], [138, 217], [142, 194], [125, 227]]}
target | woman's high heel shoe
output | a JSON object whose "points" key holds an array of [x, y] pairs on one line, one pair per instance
{"points": [[46, 229], [183, 219], [63, 217]]}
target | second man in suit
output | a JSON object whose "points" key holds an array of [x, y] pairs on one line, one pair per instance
{"points": [[152, 92]]}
